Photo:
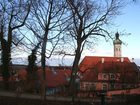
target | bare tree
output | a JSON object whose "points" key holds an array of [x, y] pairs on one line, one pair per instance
{"points": [[90, 19], [13, 15], [45, 23]]}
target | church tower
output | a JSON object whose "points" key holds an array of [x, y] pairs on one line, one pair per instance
{"points": [[117, 46]]}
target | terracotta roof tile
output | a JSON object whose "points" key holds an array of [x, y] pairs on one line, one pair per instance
{"points": [[56, 77], [90, 61], [128, 71]]}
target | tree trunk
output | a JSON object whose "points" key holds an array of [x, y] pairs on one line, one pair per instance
{"points": [[75, 68], [43, 60], [6, 57]]}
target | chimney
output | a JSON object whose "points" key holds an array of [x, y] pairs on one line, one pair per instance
{"points": [[122, 59], [118, 59], [103, 60]]}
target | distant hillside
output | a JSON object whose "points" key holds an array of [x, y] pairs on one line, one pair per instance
{"points": [[56, 61], [49, 62]]}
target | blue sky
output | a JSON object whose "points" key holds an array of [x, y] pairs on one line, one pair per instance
{"points": [[128, 22]]}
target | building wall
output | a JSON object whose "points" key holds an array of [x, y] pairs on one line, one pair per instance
{"points": [[117, 50], [128, 91], [109, 81]]}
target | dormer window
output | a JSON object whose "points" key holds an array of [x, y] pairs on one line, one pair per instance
{"points": [[104, 76], [112, 76]]}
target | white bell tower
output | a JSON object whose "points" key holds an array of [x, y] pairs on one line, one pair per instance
{"points": [[117, 46]]}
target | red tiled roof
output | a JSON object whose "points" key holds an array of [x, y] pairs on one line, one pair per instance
{"points": [[127, 70], [56, 78], [53, 77], [90, 61]]}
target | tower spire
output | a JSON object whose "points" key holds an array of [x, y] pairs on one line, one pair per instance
{"points": [[117, 46], [117, 35]]}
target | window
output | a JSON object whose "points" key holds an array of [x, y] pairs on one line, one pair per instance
{"points": [[82, 86], [104, 86], [112, 76], [104, 76], [86, 86]]}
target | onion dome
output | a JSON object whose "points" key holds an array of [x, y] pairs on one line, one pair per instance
{"points": [[117, 40]]}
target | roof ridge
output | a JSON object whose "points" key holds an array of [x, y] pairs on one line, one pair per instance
{"points": [[106, 57]]}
